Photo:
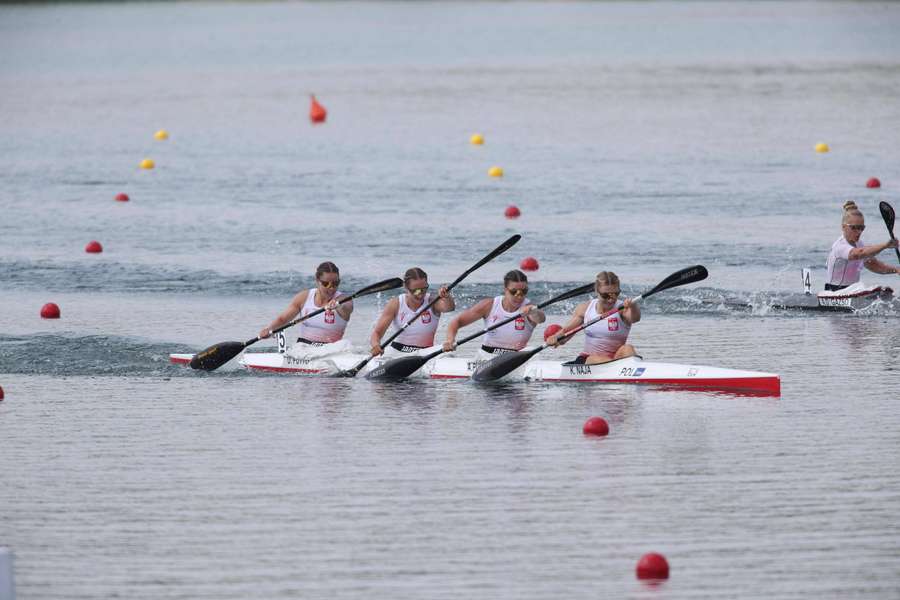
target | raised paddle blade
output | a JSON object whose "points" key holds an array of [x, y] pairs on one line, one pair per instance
{"points": [[381, 286], [503, 365], [512, 241], [887, 213], [585, 289], [216, 355], [399, 368], [682, 277]]}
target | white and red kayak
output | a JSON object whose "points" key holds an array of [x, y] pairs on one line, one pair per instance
{"points": [[633, 370]]}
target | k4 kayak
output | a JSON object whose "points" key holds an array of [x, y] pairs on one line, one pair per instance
{"points": [[632, 371]]}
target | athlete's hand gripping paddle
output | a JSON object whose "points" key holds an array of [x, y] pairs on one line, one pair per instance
{"points": [[887, 213], [218, 354], [491, 256], [507, 363], [407, 365]]}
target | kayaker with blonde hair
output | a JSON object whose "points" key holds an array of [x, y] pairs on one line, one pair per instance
{"points": [[849, 255], [606, 339], [400, 310]]}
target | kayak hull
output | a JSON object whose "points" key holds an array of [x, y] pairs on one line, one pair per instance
{"points": [[627, 371]]}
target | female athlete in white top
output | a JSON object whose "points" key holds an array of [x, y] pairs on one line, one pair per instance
{"points": [[605, 339], [512, 336], [399, 310], [848, 254], [326, 327]]}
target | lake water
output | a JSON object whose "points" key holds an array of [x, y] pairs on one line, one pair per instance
{"points": [[635, 137]]}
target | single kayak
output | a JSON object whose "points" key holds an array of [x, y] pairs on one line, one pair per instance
{"points": [[631, 370]]}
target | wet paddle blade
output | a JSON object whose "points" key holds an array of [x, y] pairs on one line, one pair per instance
{"points": [[682, 277], [398, 368], [503, 365], [216, 355], [887, 213]]}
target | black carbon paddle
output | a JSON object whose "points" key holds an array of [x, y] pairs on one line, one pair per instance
{"points": [[887, 213], [507, 363], [218, 354], [407, 365], [491, 256]]}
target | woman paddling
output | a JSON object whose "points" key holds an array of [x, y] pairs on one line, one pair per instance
{"points": [[606, 339], [399, 310], [848, 254], [514, 335], [327, 327]]}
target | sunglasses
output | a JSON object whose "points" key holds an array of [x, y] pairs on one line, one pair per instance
{"points": [[330, 284], [609, 295], [857, 227], [418, 291], [518, 293]]}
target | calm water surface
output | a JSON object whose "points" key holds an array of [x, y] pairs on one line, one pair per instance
{"points": [[637, 137]]}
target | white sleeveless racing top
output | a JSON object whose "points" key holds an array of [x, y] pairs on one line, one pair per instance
{"points": [[512, 336], [421, 331], [842, 270], [327, 327], [606, 336]]}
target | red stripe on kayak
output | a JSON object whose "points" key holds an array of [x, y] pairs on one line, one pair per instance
{"points": [[770, 385], [286, 370], [179, 361]]}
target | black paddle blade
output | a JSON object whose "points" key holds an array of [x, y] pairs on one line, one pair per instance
{"points": [[399, 368], [887, 213], [502, 365], [585, 289], [381, 286], [682, 277], [216, 355]]}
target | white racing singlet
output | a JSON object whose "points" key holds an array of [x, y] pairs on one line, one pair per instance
{"points": [[605, 336], [842, 270], [421, 331], [327, 327], [512, 336]]}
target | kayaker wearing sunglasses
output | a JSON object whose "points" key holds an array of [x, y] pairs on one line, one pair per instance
{"points": [[514, 335], [848, 254], [324, 328], [604, 340], [399, 310]]}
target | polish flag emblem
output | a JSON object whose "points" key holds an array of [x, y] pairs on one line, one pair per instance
{"points": [[520, 324], [329, 317], [613, 323], [426, 317]]}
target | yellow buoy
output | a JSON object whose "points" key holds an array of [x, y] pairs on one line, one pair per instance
{"points": [[162, 134], [822, 147], [495, 172], [477, 139], [147, 164]]}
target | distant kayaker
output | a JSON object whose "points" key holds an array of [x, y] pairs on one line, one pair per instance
{"points": [[606, 339], [326, 327], [514, 335], [400, 309], [848, 254]]}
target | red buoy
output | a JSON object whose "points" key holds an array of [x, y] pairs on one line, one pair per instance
{"points": [[122, 198], [512, 212], [1, 392], [873, 183], [551, 329], [652, 566], [93, 247], [317, 112], [596, 426], [50, 311], [529, 263]]}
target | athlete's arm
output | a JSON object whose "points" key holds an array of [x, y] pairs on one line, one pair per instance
{"points": [[292, 310], [381, 326], [870, 251], [631, 312], [876, 266], [467, 317], [575, 321], [445, 304], [533, 314]]}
